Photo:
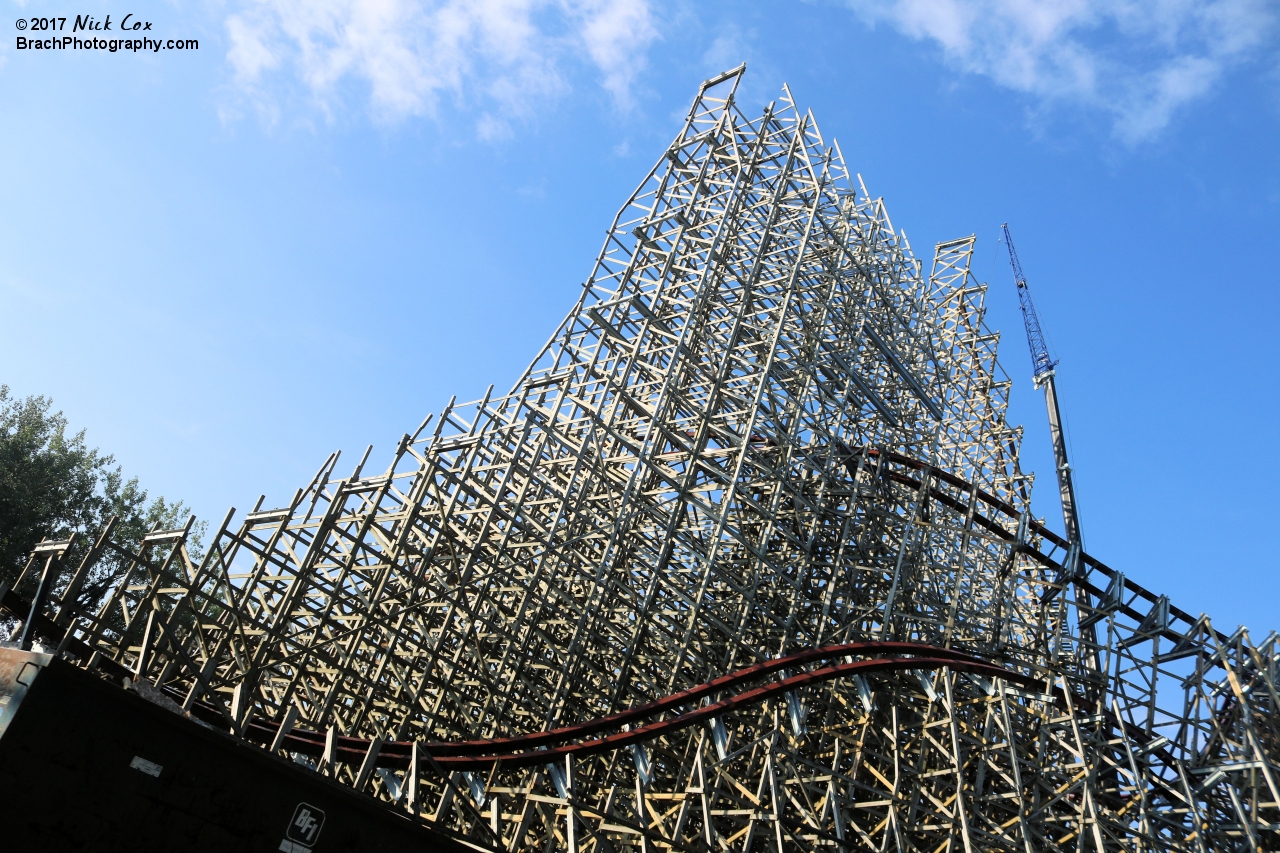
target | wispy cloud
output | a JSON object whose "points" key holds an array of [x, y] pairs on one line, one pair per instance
{"points": [[1138, 60], [503, 56]]}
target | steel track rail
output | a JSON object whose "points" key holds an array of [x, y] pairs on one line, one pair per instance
{"points": [[541, 747]]}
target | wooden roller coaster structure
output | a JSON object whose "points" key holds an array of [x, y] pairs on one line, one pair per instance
{"points": [[743, 561]]}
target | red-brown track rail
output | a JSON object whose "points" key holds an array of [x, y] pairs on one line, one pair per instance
{"points": [[542, 747]]}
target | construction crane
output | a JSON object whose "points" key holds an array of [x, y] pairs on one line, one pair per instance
{"points": [[1044, 376]]}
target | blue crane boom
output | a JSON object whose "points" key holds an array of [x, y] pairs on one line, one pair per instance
{"points": [[1045, 377], [1041, 363]]}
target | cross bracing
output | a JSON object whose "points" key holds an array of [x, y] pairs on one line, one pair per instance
{"points": [[744, 560]]}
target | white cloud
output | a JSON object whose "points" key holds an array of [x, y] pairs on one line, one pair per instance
{"points": [[610, 30], [504, 55], [1139, 60]]}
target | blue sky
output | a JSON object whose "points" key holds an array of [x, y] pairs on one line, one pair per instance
{"points": [[308, 233]]}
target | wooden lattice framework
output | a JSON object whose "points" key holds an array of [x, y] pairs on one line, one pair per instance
{"points": [[761, 433]]}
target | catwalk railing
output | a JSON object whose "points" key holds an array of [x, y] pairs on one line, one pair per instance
{"points": [[761, 433]]}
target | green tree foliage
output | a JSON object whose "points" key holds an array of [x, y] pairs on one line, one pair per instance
{"points": [[52, 484]]}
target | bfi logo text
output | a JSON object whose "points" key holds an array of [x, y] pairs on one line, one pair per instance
{"points": [[304, 829]]}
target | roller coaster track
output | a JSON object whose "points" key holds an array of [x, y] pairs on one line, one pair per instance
{"points": [[542, 747]]}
